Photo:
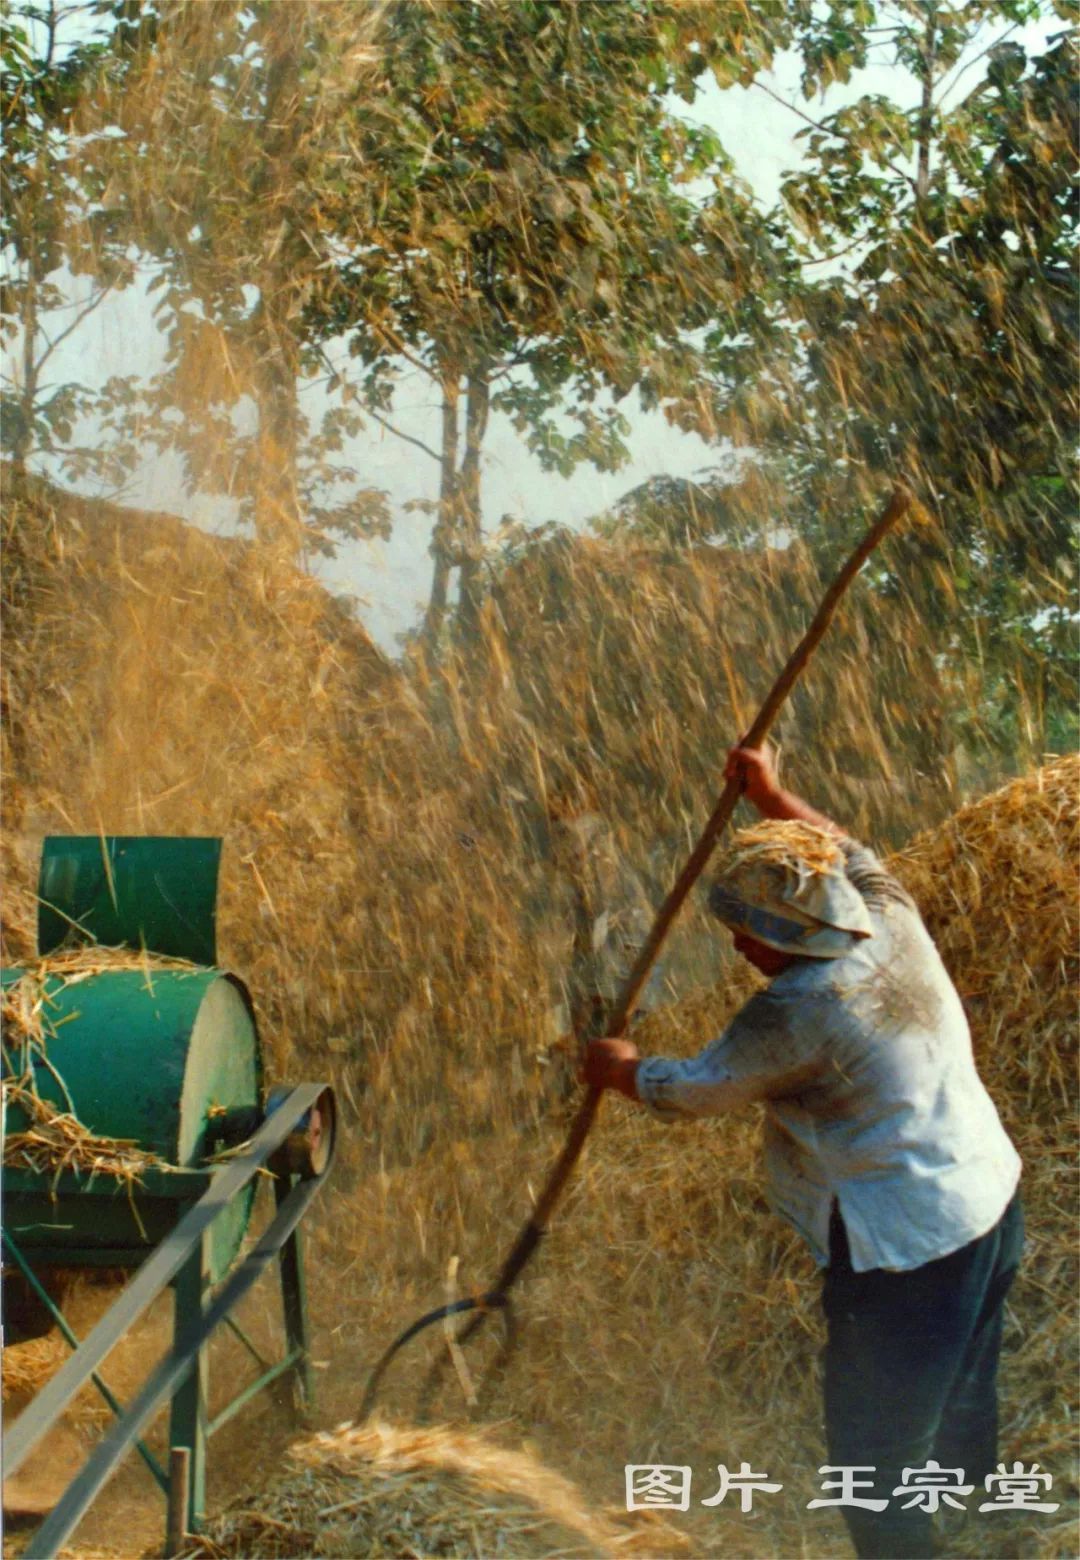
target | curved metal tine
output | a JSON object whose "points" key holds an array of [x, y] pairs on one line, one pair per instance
{"points": [[430, 1385], [433, 1379], [497, 1368], [456, 1307]]}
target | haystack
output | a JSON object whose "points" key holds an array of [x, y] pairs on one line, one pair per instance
{"points": [[997, 886], [157, 680], [378, 1491]]}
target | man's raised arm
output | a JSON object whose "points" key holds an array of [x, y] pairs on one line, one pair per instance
{"points": [[756, 768]]}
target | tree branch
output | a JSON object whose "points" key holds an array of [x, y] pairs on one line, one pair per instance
{"points": [[817, 125], [408, 437], [508, 367], [51, 36], [89, 308], [391, 336], [838, 253], [371, 412], [945, 86]]}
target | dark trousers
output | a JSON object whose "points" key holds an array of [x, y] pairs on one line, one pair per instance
{"points": [[911, 1373]]}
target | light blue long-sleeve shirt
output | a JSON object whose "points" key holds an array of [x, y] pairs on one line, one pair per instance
{"points": [[871, 1095]]}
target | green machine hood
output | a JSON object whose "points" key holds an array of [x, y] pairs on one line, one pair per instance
{"points": [[147, 891]]}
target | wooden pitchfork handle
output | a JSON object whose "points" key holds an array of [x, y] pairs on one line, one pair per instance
{"points": [[528, 1240]]}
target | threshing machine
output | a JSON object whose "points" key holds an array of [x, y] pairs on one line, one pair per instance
{"points": [[156, 1051]]}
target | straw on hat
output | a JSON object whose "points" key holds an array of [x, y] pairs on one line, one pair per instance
{"points": [[783, 883]]}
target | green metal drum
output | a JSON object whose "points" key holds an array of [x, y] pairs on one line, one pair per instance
{"points": [[168, 1060], [164, 1058]]}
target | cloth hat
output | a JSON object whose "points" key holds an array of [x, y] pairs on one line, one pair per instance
{"points": [[783, 882]]}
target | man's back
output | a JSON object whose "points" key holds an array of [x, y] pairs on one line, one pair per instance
{"points": [[889, 1114]]}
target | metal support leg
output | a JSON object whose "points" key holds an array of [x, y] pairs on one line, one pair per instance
{"points": [[188, 1417], [294, 1305], [179, 1500]]}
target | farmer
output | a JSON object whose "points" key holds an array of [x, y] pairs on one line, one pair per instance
{"points": [[882, 1146]]}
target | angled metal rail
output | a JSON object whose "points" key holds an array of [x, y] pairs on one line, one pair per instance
{"points": [[175, 1253]]}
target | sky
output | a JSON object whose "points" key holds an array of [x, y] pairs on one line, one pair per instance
{"points": [[390, 580]]}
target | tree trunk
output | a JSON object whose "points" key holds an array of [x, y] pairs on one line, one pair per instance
{"points": [[277, 502], [277, 352], [471, 553], [24, 430], [926, 112], [442, 537]]}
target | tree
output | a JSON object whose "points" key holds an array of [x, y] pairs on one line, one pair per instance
{"points": [[539, 246], [226, 125], [50, 217], [941, 343]]}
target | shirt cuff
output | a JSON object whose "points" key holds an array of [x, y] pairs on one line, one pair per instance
{"points": [[652, 1080]]}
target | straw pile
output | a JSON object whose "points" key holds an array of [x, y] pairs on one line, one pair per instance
{"points": [[29, 1363], [997, 885], [162, 681], [380, 1491]]}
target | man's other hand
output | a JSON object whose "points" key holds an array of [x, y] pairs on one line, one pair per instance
{"points": [[612, 1064]]}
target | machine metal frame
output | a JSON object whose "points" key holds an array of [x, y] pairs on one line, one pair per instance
{"points": [[295, 1143]]}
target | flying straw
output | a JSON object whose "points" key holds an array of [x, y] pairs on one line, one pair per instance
{"points": [[900, 501]]}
